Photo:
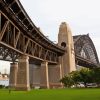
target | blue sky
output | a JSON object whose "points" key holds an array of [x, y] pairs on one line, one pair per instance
{"points": [[82, 16]]}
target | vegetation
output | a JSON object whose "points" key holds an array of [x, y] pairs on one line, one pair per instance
{"points": [[2, 86], [84, 76], [96, 76], [54, 94]]}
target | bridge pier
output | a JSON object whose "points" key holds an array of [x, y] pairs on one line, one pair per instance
{"points": [[35, 75], [44, 81], [55, 74], [45, 76], [23, 73], [13, 75]]}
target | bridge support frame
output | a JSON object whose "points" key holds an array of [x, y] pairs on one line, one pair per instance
{"points": [[23, 73], [13, 75], [44, 82]]}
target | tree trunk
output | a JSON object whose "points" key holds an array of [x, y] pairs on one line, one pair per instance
{"points": [[85, 85]]}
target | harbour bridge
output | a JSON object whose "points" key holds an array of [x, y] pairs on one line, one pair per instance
{"points": [[35, 59]]}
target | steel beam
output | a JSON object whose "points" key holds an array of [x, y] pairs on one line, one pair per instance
{"points": [[0, 22]]}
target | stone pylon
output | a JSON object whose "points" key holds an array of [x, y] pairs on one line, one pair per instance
{"points": [[65, 39]]}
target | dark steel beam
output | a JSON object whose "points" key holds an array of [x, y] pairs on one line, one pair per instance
{"points": [[3, 30], [0, 22]]}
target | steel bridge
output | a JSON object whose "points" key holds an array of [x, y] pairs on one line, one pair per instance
{"points": [[85, 51], [19, 36]]}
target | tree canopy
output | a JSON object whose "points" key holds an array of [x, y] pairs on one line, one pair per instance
{"points": [[84, 76]]}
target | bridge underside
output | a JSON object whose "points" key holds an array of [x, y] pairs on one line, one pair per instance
{"points": [[20, 35], [13, 43], [85, 63]]}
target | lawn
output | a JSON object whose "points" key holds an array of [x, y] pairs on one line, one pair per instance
{"points": [[54, 94]]}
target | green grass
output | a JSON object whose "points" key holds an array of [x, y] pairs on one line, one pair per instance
{"points": [[54, 94]]}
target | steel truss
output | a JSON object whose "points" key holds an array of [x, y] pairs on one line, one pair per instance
{"points": [[85, 51], [12, 37]]}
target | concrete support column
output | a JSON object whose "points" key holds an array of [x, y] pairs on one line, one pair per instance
{"points": [[23, 74], [35, 73], [13, 75], [55, 74], [44, 81]]}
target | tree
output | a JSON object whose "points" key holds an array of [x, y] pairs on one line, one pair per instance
{"points": [[85, 76], [67, 81], [96, 76], [75, 75]]}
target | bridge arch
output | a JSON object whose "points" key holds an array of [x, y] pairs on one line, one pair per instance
{"points": [[85, 48]]}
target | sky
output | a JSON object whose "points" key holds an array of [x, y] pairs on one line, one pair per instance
{"points": [[82, 16]]}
